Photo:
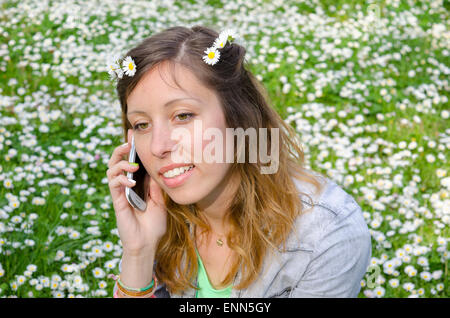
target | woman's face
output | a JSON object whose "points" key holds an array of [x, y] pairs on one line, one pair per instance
{"points": [[159, 108]]}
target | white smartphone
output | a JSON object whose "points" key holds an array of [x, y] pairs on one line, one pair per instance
{"points": [[136, 200]]}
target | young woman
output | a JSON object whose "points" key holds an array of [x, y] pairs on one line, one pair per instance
{"points": [[223, 229]]}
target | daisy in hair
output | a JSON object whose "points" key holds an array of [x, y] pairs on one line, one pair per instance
{"points": [[113, 66], [225, 36], [212, 56], [229, 35], [129, 67]]}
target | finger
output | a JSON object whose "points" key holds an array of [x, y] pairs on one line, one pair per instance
{"points": [[119, 182], [118, 154], [119, 168], [120, 151]]}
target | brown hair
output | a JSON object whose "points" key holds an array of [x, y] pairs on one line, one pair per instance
{"points": [[261, 216]]}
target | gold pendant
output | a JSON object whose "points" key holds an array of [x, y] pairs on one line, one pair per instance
{"points": [[219, 242]]}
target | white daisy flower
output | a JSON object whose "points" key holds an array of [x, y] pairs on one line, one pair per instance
{"points": [[228, 35], [212, 56], [98, 272], [394, 283], [119, 72], [379, 291], [129, 67], [220, 42], [113, 65]]}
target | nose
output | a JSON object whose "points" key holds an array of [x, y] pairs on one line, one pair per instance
{"points": [[161, 143]]}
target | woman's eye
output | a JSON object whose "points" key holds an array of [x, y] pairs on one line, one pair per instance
{"points": [[136, 127], [181, 117], [185, 116]]}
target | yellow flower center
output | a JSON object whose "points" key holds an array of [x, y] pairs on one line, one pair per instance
{"points": [[211, 55], [130, 66]]}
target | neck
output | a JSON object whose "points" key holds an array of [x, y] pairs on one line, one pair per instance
{"points": [[215, 208]]}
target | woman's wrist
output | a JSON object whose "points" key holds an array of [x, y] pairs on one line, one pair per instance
{"points": [[137, 269], [148, 249]]}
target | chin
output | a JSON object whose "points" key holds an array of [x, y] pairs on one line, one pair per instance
{"points": [[183, 199]]}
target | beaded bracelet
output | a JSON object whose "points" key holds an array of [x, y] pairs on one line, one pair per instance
{"points": [[135, 289], [146, 291], [117, 290], [134, 293]]}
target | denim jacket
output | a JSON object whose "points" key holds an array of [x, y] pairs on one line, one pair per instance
{"points": [[326, 255]]}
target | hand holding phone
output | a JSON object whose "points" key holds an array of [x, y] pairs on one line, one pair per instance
{"points": [[139, 230]]}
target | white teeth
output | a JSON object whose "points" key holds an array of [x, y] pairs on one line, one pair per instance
{"points": [[177, 171]]}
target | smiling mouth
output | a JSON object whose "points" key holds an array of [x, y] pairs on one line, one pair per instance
{"points": [[177, 171]]}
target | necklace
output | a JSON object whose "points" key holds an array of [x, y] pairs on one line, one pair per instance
{"points": [[219, 241]]}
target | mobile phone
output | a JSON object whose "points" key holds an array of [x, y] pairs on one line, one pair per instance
{"points": [[136, 198]]}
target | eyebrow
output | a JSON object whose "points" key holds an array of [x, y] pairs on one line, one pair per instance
{"points": [[166, 104]]}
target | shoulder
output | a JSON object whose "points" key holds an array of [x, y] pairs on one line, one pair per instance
{"points": [[327, 251], [332, 210]]}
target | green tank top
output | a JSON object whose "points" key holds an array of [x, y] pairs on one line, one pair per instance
{"points": [[206, 289]]}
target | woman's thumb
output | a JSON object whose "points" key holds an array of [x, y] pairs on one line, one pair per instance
{"points": [[156, 193]]}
